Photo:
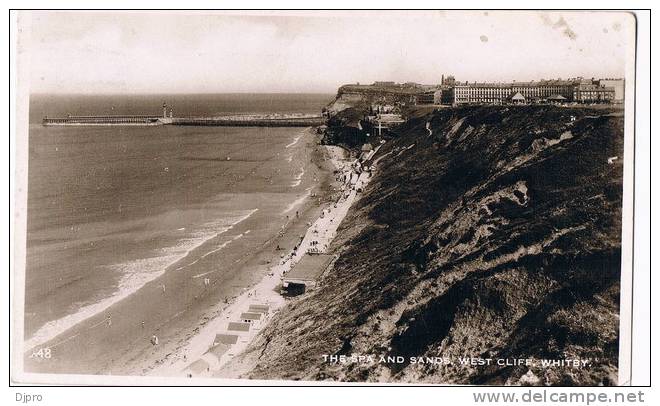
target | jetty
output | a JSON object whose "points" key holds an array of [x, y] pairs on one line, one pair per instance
{"points": [[104, 120], [310, 121], [244, 120]]}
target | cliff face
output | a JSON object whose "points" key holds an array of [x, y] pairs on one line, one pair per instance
{"points": [[353, 103], [498, 236], [361, 97]]}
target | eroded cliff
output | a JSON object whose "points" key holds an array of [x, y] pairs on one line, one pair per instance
{"points": [[498, 236]]}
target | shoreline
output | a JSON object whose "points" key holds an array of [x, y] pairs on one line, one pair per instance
{"points": [[243, 362], [266, 292], [180, 259], [92, 347], [201, 357]]}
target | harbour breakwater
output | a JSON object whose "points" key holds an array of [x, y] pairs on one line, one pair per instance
{"points": [[292, 120], [252, 122], [104, 120]]}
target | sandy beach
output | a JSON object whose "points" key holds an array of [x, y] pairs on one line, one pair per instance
{"points": [[200, 357], [176, 306]]}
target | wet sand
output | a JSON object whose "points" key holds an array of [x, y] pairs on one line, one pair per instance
{"points": [[117, 341], [317, 236]]}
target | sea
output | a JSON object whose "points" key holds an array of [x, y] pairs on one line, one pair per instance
{"points": [[111, 208]]}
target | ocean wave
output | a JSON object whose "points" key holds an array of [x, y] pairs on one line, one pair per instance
{"points": [[298, 178], [297, 202], [137, 273], [294, 142]]}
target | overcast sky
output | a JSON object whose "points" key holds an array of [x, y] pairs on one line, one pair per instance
{"points": [[168, 52]]}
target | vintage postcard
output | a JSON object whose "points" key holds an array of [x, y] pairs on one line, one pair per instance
{"points": [[392, 197]]}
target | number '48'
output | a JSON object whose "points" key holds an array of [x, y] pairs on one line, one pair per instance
{"points": [[42, 353]]}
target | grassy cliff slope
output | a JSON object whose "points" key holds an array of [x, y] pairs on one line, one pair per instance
{"points": [[498, 236]]}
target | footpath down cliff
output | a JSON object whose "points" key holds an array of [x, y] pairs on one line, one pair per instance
{"points": [[495, 237]]}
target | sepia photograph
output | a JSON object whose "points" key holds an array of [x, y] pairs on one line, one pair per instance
{"points": [[323, 197]]}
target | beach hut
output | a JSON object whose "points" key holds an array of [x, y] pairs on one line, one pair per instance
{"points": [[218, 350], [227, 339], [257, 308], [250, 317], [238, 326], [197, 368]]}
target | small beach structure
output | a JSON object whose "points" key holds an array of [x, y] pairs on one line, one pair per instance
{"points": [[197, 368], [258, 308], [305, 274], [227, 339], [218, 350], [238, 326], [248, 317]]}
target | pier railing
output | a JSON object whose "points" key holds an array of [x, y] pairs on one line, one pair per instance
{"points": [[100, 120], [251, 122]]}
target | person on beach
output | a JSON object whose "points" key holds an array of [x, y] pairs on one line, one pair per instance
{"points": [[154, 340], [109, 321], [163, 287]]}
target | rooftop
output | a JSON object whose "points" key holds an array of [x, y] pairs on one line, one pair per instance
{"points": [[309, 268], [557, 82], [250, 316], [198, 366], [257, 308], [225, 339], [219, 349]]}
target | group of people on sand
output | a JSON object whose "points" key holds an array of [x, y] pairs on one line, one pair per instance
{"points": [[314, 249]]}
